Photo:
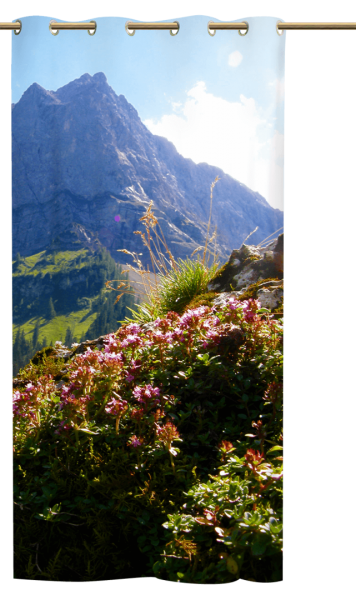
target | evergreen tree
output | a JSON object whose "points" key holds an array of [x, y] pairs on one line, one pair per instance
{"points": [[23, 343], [35, 335], [17, 358], [17, 339], [69, 338], [110, 313], [51, 311]]}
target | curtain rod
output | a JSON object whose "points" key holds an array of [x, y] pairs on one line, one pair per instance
{"points": [[175, 26]]}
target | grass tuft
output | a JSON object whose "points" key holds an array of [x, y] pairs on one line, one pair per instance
{"points": [[180, 284]]}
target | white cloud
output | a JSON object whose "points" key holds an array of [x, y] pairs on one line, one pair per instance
{"points": [[277, 89], [235, 136], [235, 59]]}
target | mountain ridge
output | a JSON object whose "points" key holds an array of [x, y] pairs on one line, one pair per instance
{"points": [[82, 155]]}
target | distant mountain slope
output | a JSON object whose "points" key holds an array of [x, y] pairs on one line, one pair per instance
{"points": [[81, 156], [61, 295]]}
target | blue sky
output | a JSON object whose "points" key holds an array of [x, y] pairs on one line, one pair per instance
{"points": [[218, 99]]}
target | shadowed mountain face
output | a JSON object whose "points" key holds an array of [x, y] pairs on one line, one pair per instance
{"points": [[81, 156]]}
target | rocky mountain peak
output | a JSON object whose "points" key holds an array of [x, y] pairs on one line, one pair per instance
{"points": [[82, 155]]}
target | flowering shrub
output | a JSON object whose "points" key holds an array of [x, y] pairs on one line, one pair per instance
{"points": [[161, 448]]}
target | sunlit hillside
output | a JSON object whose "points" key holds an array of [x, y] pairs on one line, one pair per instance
{"points": [[61, 296]]}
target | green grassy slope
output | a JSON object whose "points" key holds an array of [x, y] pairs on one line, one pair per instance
{"points": [[61, 296]]}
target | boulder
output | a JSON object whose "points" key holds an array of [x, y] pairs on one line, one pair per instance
{"points": [[252, 272]]}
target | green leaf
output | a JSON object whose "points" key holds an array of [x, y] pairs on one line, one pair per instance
{"points": [[275, 449], [259, 545], [87, 431], [64, 517]]}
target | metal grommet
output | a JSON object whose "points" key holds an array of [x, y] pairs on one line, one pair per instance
{"points": [[18, 31], [211, 32], [129, 31], [53, 31], [246, 30], [94, 28], [279, 31], [171, 31]]}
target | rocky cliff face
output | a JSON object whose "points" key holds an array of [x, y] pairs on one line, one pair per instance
{"points": [[81, 156]]}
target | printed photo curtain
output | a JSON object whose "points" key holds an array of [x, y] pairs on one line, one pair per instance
{"points": [[148, 301]]}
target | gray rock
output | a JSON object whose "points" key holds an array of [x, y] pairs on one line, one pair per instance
{"points": [[247, 267]]}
